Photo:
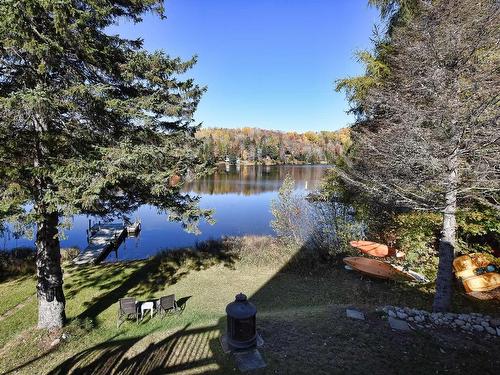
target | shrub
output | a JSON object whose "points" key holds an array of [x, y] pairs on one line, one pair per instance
{"points": [[317, 225], [417, 235], [69, 253], [478, 230], [19, 261], [289, 211]]}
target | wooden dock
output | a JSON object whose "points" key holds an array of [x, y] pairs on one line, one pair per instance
{"points": [[102, 239]]}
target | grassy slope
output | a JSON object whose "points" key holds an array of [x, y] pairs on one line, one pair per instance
{"points": [[301, 318]]}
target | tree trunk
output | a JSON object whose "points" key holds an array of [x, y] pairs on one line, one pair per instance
{"points": [[51, 300], [444, 282]]}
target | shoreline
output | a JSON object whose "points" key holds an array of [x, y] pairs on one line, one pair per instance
{"points": [[247, 163]]}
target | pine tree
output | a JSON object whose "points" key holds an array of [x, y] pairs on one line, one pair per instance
{"points": [[428, 138], [89, 123]]}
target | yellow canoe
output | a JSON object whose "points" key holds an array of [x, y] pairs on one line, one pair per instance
{"points": [[482, 283], [486, 296], [465, 265]]}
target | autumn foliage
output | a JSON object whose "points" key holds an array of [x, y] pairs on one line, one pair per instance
{"points": [[270, 146]]}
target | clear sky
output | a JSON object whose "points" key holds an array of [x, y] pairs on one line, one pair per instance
{"points": [[267, 63]]}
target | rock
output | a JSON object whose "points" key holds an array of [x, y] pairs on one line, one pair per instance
{"points": [[55, 342], [410, 319], [249, 360], [419, 318], [399, 325], [478, 328], [495, 322], [464, 317], [498, 331], [391, 313], [491, 331], [402, 315], [459, 322], [355, 314], [467, 327], [485, 324]]}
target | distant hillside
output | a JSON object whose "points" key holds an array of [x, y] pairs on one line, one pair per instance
{"points": [[253, 145]]}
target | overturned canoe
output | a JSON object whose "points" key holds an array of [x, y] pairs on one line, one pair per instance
{"points": [[377, 268], [482, 283]]}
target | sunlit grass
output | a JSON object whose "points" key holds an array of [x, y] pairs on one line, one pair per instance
{"points": [[300, 315], [15, 291]]}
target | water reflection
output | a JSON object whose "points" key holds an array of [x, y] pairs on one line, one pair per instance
{"points": [[250, 180], [241, 197]]}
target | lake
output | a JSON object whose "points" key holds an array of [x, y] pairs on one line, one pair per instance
{"points": [[240, 196]]}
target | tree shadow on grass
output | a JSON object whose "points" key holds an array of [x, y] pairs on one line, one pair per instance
{"points": [[100, 276], [301, 316], [148, 277], [187, 348], [302, 319]]}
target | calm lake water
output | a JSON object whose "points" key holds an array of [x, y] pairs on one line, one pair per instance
{"points": [[241, 197]]}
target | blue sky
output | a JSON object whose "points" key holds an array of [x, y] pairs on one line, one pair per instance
{"points": [[267, 63]]}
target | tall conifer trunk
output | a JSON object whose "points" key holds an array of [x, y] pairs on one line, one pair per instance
{"points": [[51, 301], [444, 282]]}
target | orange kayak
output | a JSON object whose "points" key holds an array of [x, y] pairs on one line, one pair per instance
{"points": [[376, 249], [482, 283], [372, 248], [377, 268]]}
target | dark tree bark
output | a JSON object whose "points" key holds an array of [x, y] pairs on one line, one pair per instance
{"points": [[51, 300]]}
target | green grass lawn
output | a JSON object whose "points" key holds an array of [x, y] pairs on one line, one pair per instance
{"points": [[301, 316]]}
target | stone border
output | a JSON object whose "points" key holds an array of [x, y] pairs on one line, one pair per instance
{"points": [[469, 323]]}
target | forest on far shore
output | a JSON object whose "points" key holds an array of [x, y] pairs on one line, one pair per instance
{"points": [[253, 145]]}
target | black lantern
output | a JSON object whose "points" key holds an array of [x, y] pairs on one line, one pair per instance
{"points": [[241, 330]]}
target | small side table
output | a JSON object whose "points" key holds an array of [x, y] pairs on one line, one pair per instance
{"points": [[150, 305]]}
